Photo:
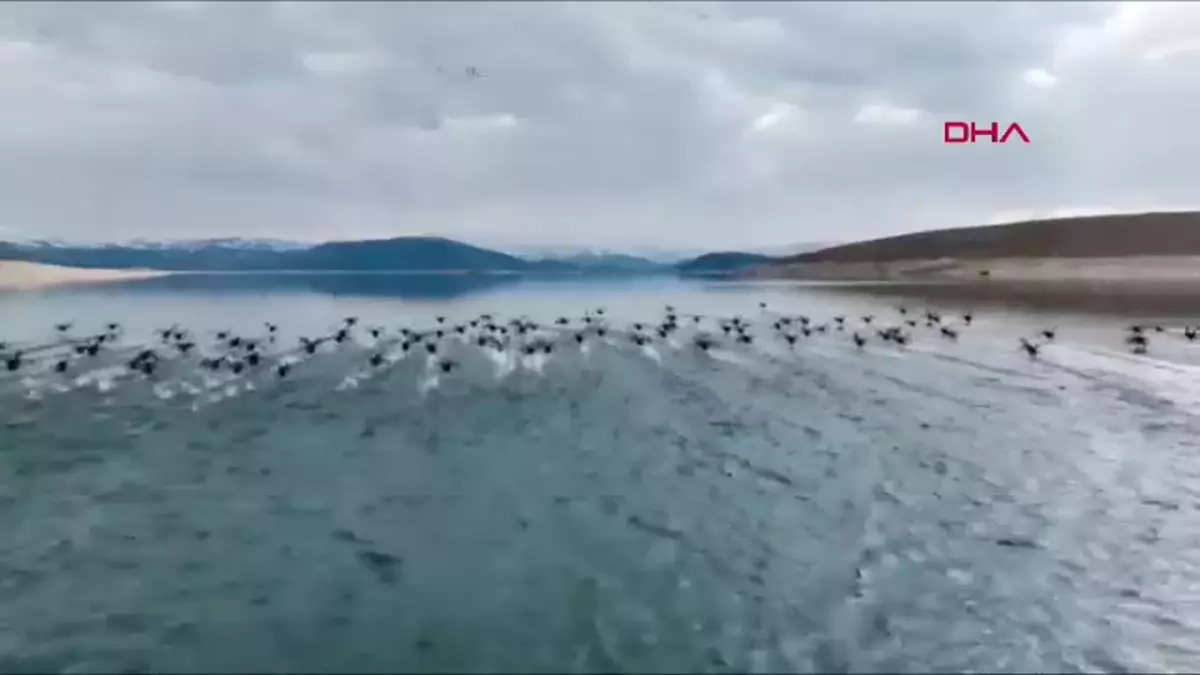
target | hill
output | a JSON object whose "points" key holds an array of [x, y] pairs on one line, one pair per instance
{"points": [[410, 254], [724, 262], [1110, 236], [1122, 247]]}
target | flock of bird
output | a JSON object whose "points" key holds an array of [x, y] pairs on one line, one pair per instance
{"points": [[228, 355]]}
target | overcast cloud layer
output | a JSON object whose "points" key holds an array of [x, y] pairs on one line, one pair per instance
{"points": [[630, 124]]}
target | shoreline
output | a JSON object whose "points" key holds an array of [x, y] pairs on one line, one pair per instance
{"points": [[1110, 272], [18, 275]]}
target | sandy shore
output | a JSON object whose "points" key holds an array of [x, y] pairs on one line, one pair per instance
{"points": [[1132, 269], [19, 276]]}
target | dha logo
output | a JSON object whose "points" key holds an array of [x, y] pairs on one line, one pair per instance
{"points": [[969, 132]]}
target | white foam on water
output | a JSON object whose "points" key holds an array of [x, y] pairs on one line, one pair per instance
{"points": [[535, 362], [1176, 382], [652, 353], [428, 384], [728, 357], [162, 391], [349, 382]]}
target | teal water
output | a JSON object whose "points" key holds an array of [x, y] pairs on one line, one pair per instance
{"points": [[945, 506]]}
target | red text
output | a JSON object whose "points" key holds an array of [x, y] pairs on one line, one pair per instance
{"points": [[968, 132]]}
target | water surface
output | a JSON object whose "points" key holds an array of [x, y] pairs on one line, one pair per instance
{"points": [[948, 506]]}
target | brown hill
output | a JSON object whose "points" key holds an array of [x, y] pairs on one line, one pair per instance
{"points": [[1111, 236]]}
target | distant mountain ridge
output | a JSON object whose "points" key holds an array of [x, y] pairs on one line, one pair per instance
{"points": [[407, 254], [722, 262], [399, 254]]}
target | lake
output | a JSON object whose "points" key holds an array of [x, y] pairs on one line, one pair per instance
{"points": [[948, 505]]}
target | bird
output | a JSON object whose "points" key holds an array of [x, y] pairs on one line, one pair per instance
{"points": [[1030, 348]]}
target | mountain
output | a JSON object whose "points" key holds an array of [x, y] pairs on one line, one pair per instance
{"points": [[790, 250], [603, 263], [206, 257], [228, 243], [409, 254], [724, 262], [1109, 236], [657, 255]]}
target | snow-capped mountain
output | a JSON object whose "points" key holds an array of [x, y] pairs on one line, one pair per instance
{"points": [[152, 245], [233, 243], [564, 251]]}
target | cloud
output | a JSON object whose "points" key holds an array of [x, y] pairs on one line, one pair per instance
{"points": [[636, 124]]}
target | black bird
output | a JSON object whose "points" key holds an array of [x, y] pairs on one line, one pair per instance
{"points": [[791, 339], [561, 321], [351, 320], [762, 305], [376, 359], [1049, 333], [235, 342], [1190, 333], [1030, 348], [271, 328], [61, 366], [341, 336], [375, 332], [237, 366], [252, 359], [949, 333], [446, 365], [859, 341], [967, 318], [441, 319], [13, 362], [431, 347], [868, 319], [282, 369], [62, 327], [579, 338]]}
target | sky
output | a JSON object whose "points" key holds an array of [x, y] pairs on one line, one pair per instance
{"points": [[696, 125]]}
